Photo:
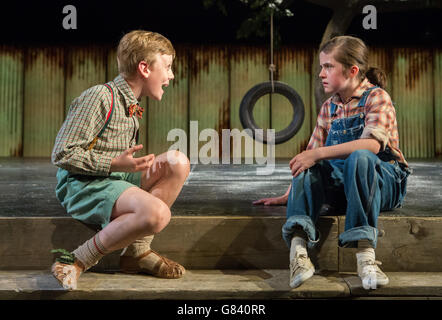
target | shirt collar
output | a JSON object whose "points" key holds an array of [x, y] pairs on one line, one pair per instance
{"points": [[125, 90], [357, 94]]}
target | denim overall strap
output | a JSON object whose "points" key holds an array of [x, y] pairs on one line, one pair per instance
{"points": [[365, 95], [333, 108]]}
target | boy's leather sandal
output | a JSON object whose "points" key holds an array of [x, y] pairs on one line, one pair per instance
{"points": [[67, 274], [164, 268]]}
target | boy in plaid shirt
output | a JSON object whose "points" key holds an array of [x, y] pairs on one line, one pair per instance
{"points": [[101, 183]]}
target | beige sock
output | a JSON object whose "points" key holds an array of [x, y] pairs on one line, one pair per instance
{"points": [[140, 246], [90, 252]]}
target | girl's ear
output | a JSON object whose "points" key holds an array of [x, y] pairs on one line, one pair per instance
{"points": [[354, 70]]}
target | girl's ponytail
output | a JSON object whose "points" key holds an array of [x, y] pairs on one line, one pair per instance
{"points": [[351, 51], [377, 77]]}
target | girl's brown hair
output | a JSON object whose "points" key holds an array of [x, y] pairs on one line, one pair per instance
{"points": [[350, 51], [140, 45]]}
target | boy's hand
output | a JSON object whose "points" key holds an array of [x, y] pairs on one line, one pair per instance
{"points": [[302, 161], [277, 201], [125, 162]]}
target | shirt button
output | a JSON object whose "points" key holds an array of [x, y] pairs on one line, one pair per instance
{"points": [[344, 132]]}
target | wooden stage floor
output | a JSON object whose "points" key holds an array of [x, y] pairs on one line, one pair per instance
{"points": [[27, 190]]}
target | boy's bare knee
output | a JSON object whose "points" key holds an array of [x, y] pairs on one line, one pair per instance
{"points": [[157, 218], [179, 163]]}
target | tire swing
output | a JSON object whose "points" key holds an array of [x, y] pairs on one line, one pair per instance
{"points": [[252, 96]]}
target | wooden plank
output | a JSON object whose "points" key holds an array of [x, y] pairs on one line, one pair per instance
{"points": [[401, 284], [410, 244], [11, 101], [43, 100], [172, 111], [195, 285], [40, 236], [198, 242], [294, 68]]}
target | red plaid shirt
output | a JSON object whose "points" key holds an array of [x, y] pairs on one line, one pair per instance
{"points": [[380, 118]]}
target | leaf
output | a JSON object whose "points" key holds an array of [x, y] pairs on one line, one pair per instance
{"points": [[66, 257], [63, 251]]}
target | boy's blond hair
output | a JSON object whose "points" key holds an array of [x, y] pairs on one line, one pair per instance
{"points": [[140, 45]]}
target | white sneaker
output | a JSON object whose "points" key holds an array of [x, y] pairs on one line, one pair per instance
{"points": [[371, 275], [301, 269]]}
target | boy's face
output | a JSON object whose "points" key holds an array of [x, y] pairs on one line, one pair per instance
{"points": [[159, 76], [332, 73]]}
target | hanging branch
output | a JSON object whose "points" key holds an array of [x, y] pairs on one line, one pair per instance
{"points": [[258, 22]]}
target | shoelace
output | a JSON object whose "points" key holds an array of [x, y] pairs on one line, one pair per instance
{"points": [[298, 263], [369, 266]]}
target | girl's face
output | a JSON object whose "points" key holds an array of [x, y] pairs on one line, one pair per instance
{"points": [[332, 74]]}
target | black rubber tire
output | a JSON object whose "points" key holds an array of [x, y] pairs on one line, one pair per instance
{"points": [[252, 96]]}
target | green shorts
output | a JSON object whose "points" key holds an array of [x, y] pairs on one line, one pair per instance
{"points": [[90, 199]]}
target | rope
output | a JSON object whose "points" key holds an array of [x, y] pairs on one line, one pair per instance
{"points": [[272, 67]]}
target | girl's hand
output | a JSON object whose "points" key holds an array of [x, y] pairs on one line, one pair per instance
{"points": [[302, 161], [277, 201], [125, 162]]}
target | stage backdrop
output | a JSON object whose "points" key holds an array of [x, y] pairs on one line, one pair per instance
{"points": [[38, 84]]}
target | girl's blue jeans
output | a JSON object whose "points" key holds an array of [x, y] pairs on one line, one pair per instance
{"points": [[366, 185]]}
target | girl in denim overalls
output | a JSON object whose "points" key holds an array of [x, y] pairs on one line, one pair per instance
{"points": [[352, 160]]}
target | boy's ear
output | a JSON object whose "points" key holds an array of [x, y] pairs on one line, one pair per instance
{"points": [[143, 69]]}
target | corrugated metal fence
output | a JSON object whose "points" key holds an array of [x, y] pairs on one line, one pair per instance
{"points": [[38, 84]]}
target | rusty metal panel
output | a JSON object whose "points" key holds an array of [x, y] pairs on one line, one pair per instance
{"points": [[44, 100], [438, 101], [249, 66], [11, 101], [209, 90], [294, 67], [172, 111], [85, 67], [413, 97], [380, 57], [315, 76], [112, 66]]}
